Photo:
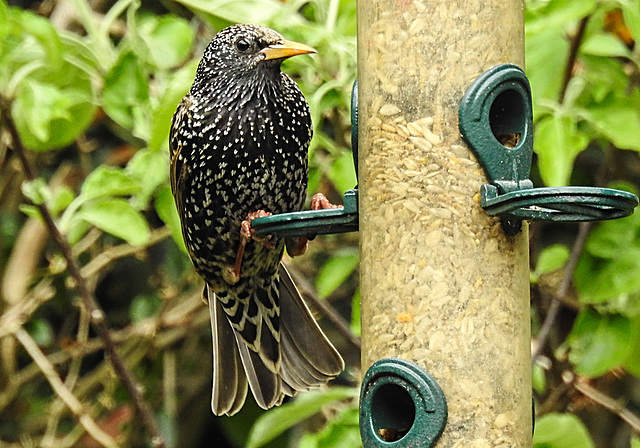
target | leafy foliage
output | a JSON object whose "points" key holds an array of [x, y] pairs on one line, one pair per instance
{"points": [[583, 62], [600, 100], [561, 431]]}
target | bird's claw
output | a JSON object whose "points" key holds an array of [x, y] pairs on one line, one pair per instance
{"points": [[298, 245], [320, 202], [247, 234], [246, 231]]}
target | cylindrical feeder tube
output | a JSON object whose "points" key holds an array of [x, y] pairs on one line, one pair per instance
{"points": [[441, 284]]}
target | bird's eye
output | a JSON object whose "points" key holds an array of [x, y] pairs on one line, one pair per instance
{"points": [[242, 45]]}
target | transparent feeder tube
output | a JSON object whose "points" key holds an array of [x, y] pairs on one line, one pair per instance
{"points": [[442, 285]]}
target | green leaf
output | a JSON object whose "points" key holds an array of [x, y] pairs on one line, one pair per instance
{"points": [[599, 280], [37, 106], [560, 14], [48, 117], [273, 423], [117, 217], [618, 119], [30, 210], [551, 259], [538, 379], [42, 30], [224, 12], [37, 191], [609, 238], [605, 45], [546, 54], [632, 363], [179, 85], [166, 210], [169, 40], [60, 199], [150, 169], [41, 331], [335, 271], [4, 19], [78, 228], [343, 431], [107, 181], [54, 97], [557, 142], [355, 314], [631, 15], [343, 173], [126, 93], [561, 431], [599, 343], [143, 306]]}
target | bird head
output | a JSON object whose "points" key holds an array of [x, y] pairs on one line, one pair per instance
{"points": [[240, 49]]}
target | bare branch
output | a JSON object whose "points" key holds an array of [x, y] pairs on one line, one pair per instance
{"points": [[576, 41], [102, 261], [608, 402], [95, 311], [563, 289], [62, 391]]}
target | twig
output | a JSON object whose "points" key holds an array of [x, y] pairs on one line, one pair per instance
{"points": [[563, 289], [57, 408], [24, 308], [169, 383], [114, 253], [325, 308], [95, 311], [576, 41], [555, 394], [62, 391], [608, 402], [189, 313]]}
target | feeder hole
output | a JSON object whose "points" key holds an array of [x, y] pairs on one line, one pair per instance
{"points": [[507, 118], [393, 412]]}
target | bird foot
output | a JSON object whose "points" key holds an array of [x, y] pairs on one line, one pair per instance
{"points": [[320, 202], [247, 234], [298, 245]]}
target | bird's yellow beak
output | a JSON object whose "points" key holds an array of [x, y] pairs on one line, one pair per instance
{"points": [[285, 50]]}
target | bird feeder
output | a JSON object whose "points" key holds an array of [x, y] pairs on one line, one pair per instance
{"points": [[442, 285], [442, 135]]}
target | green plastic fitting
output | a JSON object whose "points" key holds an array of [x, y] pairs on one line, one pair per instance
{"points": [[401, 406], [495, 120]]}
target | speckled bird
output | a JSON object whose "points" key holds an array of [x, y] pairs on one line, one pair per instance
{"points": [[238, 145]]}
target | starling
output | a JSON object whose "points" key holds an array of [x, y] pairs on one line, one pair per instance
{"points": [[238, 146]]}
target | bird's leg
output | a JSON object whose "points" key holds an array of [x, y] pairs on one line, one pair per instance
{"points": [[298, 245], [247, 234]]}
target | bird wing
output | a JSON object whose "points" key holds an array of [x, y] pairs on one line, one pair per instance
{"points": [[178, 167]]}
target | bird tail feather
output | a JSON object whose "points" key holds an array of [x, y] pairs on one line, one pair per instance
{"points": [[229, 380], [307, 358]]}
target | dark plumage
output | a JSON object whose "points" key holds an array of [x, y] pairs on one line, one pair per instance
{"points": [[238, 144]]}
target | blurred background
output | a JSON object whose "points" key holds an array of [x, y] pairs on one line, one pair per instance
{"points": [[92, 85]]}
